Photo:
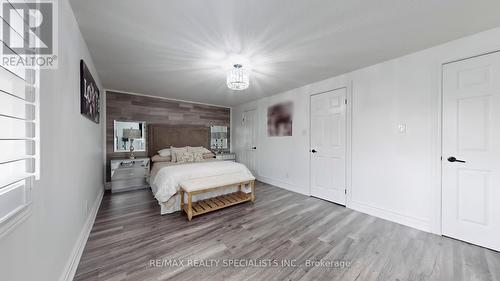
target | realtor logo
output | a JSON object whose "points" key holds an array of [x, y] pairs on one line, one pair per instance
{"points": [[29, 34]]}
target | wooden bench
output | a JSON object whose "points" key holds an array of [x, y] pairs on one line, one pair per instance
{"points": [[211, 184]]}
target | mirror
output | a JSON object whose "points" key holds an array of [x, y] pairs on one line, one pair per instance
{"points": [[127, 131], [218, 138]]}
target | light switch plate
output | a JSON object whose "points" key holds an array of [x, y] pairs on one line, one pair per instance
{"points": [[402, 128]]}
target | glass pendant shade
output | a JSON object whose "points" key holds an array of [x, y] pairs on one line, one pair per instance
{"points": [[238, 78]]}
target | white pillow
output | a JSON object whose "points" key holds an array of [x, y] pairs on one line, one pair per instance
{"points": [[200, 149], [165, 152]]}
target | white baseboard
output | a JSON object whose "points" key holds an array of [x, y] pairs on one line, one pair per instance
{"points": [[418, 223], [414, 222], [282, 184], [72, 265]]}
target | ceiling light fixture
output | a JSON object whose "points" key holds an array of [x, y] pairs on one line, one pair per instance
{"points": [[238, 78]]}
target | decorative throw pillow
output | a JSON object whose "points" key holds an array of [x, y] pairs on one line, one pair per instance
{"points": [[197, 156], [184, 156], [174, 150], [198, 148], [165, 152]]}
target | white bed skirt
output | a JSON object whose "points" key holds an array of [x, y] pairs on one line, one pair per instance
{"points": [[174, 203]]}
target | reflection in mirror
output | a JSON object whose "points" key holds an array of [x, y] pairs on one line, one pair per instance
{"points": [[218, 138], [127, 133]]}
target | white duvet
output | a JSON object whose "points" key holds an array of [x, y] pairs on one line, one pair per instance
{"points": [[165, 182]]}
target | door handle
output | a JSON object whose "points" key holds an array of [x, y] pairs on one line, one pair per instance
{"points": [[314, 151], [453, 159], [254, 147]]}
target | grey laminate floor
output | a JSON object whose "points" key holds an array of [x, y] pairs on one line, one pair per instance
{"points": [[281, 226]]}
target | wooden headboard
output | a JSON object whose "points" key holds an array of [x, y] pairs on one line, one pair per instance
{"points": [[161, 136]]}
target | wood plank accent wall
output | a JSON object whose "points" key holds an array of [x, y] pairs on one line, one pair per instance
{"points": [[128, 107]]}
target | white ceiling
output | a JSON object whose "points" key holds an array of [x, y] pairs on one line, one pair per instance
{"points": [[177, 48]]}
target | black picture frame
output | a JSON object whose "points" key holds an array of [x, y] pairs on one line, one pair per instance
{"points": [[89, 94]]}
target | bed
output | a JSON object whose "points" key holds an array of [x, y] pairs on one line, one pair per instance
{"points": [[165, 177]]}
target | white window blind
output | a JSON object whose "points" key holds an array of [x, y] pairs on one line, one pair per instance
{"points": [[17, 141], [18, 136]]}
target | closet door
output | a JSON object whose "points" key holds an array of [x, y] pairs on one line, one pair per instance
{"points": [[328, 146], [250, 135], [471, 150]]}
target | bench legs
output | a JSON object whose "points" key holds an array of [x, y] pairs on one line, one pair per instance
{"points": [[182, 200], [190, 207], [188, 210], [252, 185]]}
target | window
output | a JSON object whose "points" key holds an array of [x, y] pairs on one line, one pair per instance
{"points": [[19, 143]]}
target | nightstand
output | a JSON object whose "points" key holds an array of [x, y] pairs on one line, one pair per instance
{"points": [[128, 174], [226, 156]]}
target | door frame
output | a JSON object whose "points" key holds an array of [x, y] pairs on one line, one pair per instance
{"points": [[348, 149], [437, 223]]}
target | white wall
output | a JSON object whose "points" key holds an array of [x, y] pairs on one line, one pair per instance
{"points": [[393, 176], [71, 169]]}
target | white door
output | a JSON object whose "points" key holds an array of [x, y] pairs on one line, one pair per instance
{"points": [[328, 146], [471, 133], [250, 140]]}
